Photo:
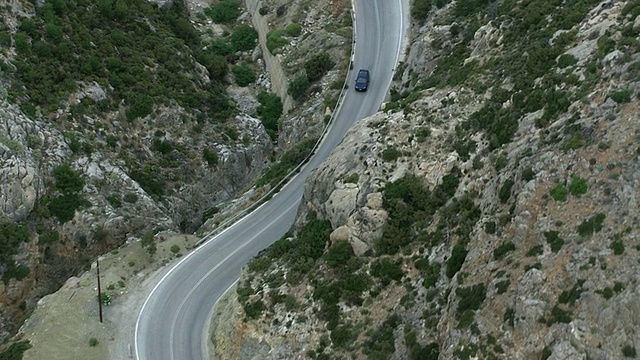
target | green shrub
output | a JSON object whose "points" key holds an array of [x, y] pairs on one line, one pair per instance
{"points": [[500, 161], [528, 174], [175, 249], [216, 65], [455, 262], [352, 179], [617, 246], [559, 192], [5, 38], [570, 297], [269, 111], [11, 236], [275, 40], [223, 12], [591, 225], [509, 316], [471, 297], [105, 299], [502, 286], [554, 240], [505, 191], [15, 351], [64, 207], [130, 198], [430, 351], [338, 254], [503, 249], [298, 87], [606, 293], [254, 310], [244, 38], [93, 342], [629, 351], [341, 336], [150, 179], [390, 154], [621, 97], [535, 250], [605, 45], [420, 10], [633, 8], [490, 227], [387, 270], [67, 181], [140, 105], [243, 74], [381, 343], [318, 65], [430, 271], [17, 272], [578, 186], [50, 237], [114, 200], [293, 30], [210, 156], [558, 315], [422, 133], [566, 60]]}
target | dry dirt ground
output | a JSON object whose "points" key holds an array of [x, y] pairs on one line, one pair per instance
{"points": [[64, 323]]}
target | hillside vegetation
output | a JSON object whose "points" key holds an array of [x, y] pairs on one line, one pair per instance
{"points": [[490, 211]]}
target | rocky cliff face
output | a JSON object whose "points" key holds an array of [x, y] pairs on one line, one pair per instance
{"points": [[490, 211], [164, 170]]}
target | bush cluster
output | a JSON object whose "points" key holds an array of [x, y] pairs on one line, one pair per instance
{"points": [[143, 52], [318, 65], [269, 111], [223, 12]]}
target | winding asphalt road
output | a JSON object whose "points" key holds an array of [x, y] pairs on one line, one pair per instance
{"points": [[174, 320]]}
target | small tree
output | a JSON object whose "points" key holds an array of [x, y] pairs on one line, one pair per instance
{"points": [[67, 180], [318, 65], [298, 87], [244, 38], [244, 74], [269, 111], [223, 12]]}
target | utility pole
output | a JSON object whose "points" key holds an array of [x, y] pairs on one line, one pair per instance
{"points": [[99, 291]]}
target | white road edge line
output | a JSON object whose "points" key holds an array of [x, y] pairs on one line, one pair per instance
{"points": [[206, 335], [146, 301], [202, 279]]}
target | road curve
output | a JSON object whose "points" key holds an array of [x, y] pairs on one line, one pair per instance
{"points": [[174, 320]]}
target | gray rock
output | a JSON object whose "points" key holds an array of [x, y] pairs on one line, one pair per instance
{"points": [[565, 351]]}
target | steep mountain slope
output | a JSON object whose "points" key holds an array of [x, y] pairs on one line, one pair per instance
{"points": [[490, 211], [123, 123], [114, 124]]}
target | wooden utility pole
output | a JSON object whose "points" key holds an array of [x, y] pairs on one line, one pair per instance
{"points": [[99, 290]]}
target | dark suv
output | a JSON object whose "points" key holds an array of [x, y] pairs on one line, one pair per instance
{"points": [[362, 81]]}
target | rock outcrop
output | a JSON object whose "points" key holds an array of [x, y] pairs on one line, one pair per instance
{"points": [[533, 251]]}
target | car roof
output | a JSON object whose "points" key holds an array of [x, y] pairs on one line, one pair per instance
{"points": [[363, 71]]}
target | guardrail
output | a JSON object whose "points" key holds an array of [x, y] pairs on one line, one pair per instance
{"points": [[244, 212]]}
